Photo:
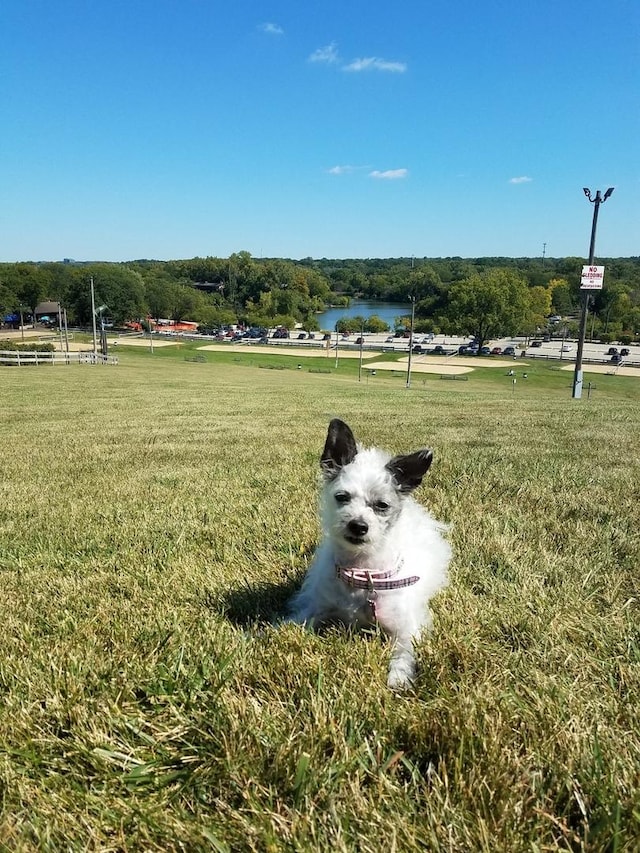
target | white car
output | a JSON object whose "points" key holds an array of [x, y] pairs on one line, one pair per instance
{"points": [[566, 348]]}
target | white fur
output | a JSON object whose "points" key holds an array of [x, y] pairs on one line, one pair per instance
{"points": [[401, 536]]}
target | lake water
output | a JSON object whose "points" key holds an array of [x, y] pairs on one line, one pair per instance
{"points": [[387, 311]]}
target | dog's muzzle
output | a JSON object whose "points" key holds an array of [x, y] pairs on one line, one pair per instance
{"points": [[357, 530]]}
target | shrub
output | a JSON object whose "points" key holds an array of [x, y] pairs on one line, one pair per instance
{"points": [[375, 324], [34, 346]]}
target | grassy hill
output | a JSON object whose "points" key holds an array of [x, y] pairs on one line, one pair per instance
{"points": [[156, 515]]}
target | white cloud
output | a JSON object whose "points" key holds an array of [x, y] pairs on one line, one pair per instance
{"points": [[389, 174], [340, 170], [327, 54], [372, 63], [272, 29], [522, 180]]}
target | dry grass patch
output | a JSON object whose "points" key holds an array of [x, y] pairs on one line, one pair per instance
{"points": [[156, 516]]}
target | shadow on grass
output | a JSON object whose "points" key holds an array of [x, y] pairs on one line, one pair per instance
{"points": [[259, 603]]}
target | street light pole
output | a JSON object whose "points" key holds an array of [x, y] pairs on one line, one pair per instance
{"points": [[577, 376]]}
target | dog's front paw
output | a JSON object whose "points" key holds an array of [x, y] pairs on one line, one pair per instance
{"points": [[400, 676]]}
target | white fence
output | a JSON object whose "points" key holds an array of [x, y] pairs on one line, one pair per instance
{"points": [[21, 358]]}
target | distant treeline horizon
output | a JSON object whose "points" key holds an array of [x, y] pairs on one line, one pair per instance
{"points": [[271, 291]]}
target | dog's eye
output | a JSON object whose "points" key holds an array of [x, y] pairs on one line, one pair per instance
{"points": [[381, 506], [343, 497]]}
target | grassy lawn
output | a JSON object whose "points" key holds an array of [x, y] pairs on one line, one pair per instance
{"points": [[155, 515]]}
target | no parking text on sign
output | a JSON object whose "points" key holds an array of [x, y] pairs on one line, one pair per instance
{"points": [[592, 278]]}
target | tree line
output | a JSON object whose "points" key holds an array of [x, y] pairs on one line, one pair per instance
{"points": [[450, 294]]}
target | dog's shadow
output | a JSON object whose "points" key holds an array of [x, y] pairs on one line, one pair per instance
{"points": [[255, 603]]}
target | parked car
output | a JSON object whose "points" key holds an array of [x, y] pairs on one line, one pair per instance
{"points": [[438, 350], [463, 350], [281, 333], [565, 348], [616, 358], [417, 348], [612, 351], [302, 336], [389, 340], [496, 351], [360, 340], [326, 336], [624, 351], [428, 338], [509, 351], [485, 351], [536, 344]]}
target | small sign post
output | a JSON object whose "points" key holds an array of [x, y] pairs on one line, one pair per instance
{"points": [[587, 283]]}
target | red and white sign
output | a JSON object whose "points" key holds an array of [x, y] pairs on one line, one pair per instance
{"points": [[592, 278]]}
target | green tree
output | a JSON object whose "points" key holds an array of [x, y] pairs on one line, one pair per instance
{"points": [[119, 288], [375, 324], [350, 324], [488, 304], [561, 300], [539, 308]]}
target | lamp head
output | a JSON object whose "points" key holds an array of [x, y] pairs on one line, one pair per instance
{"points": [[587, 192], [608, 193]]}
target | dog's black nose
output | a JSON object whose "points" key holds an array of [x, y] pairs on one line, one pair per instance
{"points": [[357, 527]]}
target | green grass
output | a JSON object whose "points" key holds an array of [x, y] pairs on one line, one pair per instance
{"points": [[155, 515], [542, 375]]}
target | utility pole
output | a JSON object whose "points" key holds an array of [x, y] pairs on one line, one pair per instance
{"points": [[93, 320], [413, 313], [577, 376]]}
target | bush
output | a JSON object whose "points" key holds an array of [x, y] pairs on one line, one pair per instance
{"points": [[424, 326], [350, 324], [625, 339], [375, 324], [34, 346]]}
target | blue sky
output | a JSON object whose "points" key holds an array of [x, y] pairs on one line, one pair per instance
{"points": [[157, 129]]}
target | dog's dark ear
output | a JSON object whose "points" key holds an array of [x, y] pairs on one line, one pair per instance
{"points": [[339, 449], [408, 471]]}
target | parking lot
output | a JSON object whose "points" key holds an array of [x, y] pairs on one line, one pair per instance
{"points": [[448, 345]]}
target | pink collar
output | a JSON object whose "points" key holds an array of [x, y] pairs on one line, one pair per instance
{"points": [[374, 581]]}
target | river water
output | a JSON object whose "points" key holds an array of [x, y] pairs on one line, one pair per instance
{"points": [[387, 311]]}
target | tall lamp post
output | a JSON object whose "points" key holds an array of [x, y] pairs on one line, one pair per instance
{"points": [[577, 376]]}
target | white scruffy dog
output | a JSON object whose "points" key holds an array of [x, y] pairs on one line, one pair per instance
{"points": [[382, 556]]}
